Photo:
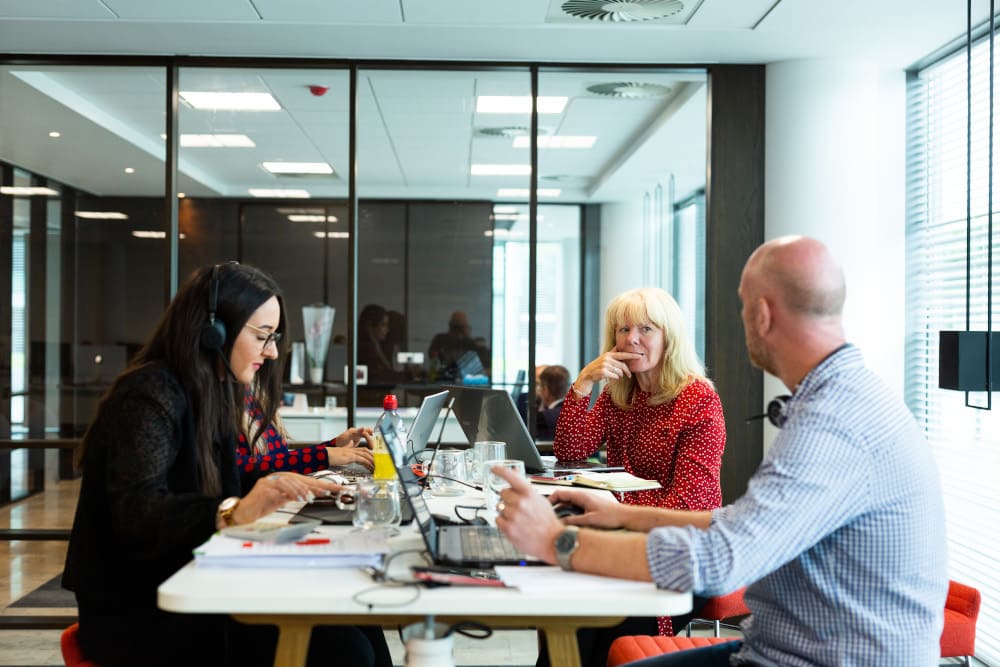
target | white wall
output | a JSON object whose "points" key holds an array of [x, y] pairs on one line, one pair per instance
{"points": [[835, 170], [622, 247]]}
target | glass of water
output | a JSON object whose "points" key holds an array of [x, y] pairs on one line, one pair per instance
{"points": [[481, 451], [493, 484], [377, 505]]}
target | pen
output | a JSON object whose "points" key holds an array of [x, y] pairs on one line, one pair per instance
{"points": [[313, 540]]}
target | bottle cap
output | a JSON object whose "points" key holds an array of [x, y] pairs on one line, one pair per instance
{"points": [[390, 402]]}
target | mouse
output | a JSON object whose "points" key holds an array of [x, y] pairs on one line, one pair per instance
{"points": [[564, 510]]}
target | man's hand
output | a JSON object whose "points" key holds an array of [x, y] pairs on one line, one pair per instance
{"points": [[527, 518], [598, 512]]}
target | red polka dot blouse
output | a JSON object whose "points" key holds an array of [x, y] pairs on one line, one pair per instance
{"points": [[678, 443], [279, 456]]}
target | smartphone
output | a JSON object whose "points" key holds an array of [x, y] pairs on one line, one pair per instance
{"points": [[438, 575], [268, 531]]}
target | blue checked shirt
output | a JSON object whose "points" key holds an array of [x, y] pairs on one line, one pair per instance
{"points": [[840, 534]]}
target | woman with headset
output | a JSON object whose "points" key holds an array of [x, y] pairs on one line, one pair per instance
{"points": [[160, 476]]}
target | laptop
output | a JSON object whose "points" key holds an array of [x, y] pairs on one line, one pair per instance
{"points": [[463, 545], [490, 414], [425, 421]]}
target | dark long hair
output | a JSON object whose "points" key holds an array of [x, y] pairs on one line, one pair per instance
{"points": [[218, 406]]}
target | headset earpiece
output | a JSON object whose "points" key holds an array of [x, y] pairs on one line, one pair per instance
{"points": [[775, 411], [213, 334]]}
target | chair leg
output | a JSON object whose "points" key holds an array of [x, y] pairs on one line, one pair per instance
{"points": [[718, 628]]}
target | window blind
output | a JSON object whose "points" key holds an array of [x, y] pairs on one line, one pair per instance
{"points": [[966, 441]]}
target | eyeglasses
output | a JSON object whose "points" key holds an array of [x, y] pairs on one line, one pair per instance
{"points": [[269, 336]]}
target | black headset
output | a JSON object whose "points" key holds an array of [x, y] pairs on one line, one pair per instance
{"points": [[213, 334], [775, 411]]}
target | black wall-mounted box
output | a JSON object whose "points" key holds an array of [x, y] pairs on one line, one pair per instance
{"points": [[962, 360]]}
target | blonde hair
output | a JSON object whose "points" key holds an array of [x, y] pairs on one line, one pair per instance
{"points": [[680, 364]]}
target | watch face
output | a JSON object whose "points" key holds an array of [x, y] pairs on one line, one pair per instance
{"points": [[228, 504], [566, 540]]}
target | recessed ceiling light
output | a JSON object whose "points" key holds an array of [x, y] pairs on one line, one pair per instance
{"points": [[515, 216], [101, 215], [518, 104], [557, 142], [500, 169], [503, 208], [331, 235], [279, 193], [55, 135], [129, 170], [298, 167], [523, 192], [141, 234], [216, 141], [27, 191], [304, 217], [215, 101]]}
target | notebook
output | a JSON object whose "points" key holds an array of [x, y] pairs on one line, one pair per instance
{"points": [[490, 414], [466, 546]]}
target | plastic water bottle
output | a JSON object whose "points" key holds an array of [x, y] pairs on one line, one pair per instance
{"points": [[384, 468]]}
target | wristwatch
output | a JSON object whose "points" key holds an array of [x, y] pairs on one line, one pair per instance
{"points": [[566, 544], [226, 509]]}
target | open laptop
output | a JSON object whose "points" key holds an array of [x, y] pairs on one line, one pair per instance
{"points": [[465, 546], [423, 424], [490, 414]]}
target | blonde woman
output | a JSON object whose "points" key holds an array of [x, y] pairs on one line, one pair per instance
{"points": [[659, 415]]}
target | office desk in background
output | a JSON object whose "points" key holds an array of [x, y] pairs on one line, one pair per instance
{"points": [[313, 425]]}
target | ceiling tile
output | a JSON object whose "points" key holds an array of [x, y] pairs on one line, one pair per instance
{"points": [[330, 11], [184, 10], [474, 12], [55, 9]]}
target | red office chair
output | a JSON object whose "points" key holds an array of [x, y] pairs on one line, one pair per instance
{"points": [[637, 647], [961, 611], [721, 607], [70, 644]]}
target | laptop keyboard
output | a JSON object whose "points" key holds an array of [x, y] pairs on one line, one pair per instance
{"points": [[487, 543]]}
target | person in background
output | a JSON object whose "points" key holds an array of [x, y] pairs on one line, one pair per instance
{"points": [[659, 417], [446, 348], [552, 386], [373, 328], [160, 477], [840, 536], [522, 399]]}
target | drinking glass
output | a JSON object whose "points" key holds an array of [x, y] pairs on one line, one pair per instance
{"points": [[493, 484], [484, 450], [377, 505], [448, 471]]}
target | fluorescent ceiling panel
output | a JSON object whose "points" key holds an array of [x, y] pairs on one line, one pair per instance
{"points": [[500, 169], [553, 141], [523, 192], [519, 104], [279, 193], [101, 215], [298, 167], [216, 141], [219, 101]]}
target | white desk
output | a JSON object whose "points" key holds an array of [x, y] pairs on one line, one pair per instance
{"points": [[296, 600]]}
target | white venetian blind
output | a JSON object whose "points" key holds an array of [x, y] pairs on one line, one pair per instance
{"points": [[965, 440]]}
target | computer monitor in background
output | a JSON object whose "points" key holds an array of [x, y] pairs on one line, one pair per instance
{"points": [[423, 424], [490, 414], [518, 388]]}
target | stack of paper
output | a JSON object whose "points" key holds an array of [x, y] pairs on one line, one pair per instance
{"points": [[354, 549]]}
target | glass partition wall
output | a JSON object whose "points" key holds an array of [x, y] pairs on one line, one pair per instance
{"points": [[428, 268]]}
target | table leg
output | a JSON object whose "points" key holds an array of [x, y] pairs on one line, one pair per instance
{"points": [[293, 636], [563, 650]]}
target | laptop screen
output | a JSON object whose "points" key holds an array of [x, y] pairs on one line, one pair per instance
{"points": [[423, 424], [411, 487]]}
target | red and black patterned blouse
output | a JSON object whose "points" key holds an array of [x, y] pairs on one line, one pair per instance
{"points": [[279, 456]]}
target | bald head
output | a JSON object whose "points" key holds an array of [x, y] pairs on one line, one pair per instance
{"points": [[799, 273]]}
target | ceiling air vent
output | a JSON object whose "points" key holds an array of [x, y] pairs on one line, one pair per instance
{"points": [[630, 90], [509, 131], [621, 11]]}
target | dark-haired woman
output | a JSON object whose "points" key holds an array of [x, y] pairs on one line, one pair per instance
{"points": [[160, 476]]}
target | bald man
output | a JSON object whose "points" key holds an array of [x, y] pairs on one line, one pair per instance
{"points": [[840, 536]]}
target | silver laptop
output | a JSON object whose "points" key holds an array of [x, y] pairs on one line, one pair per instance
{"points": [[423, 424], [465, 546], [490, 414]]}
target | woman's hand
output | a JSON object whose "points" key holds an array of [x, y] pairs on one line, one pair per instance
{"points": [[611, 365], [270, 493], [346, 455], [353, 437]]}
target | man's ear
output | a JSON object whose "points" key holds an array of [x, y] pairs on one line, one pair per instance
{"points": [[763, 319]]}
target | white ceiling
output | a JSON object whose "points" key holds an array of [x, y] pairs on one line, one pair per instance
{"points": [[417, 133]]}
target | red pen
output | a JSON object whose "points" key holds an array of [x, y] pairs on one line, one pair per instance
{"points": [[313, 540]]}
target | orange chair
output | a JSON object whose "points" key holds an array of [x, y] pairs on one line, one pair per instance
{"points": [[70, 644], [961, 611], [637, 647], [720, 607]]}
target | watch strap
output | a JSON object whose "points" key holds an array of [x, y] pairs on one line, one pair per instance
{"points": [[566, 545]]}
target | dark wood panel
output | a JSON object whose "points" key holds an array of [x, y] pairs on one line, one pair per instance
{"points": [[734, 228]]}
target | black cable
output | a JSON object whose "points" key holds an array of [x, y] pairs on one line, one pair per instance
{"points": [[453, 479], [437, 445]]}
